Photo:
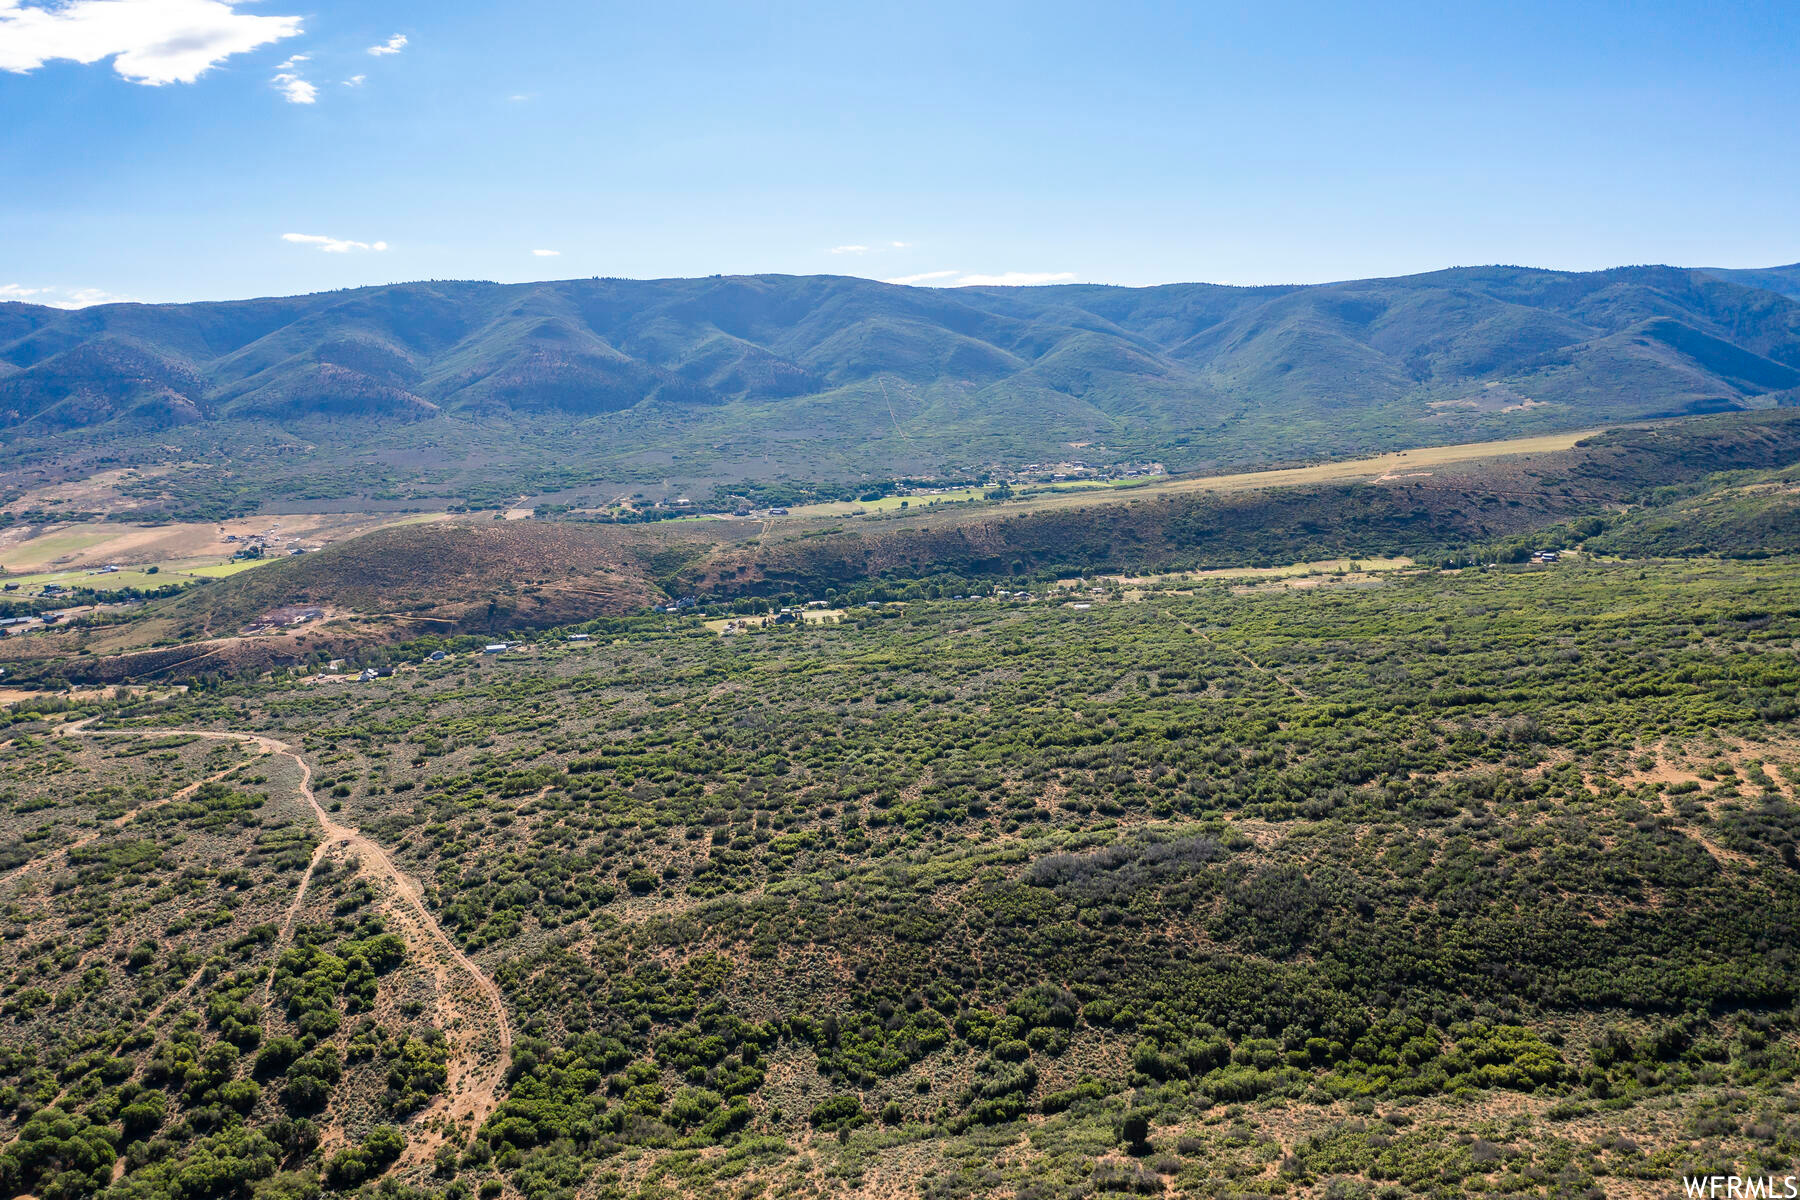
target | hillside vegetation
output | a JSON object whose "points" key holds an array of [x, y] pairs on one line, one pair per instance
{"points": [[1035, 865], [1422, 885], [566, 384], [1718, 485]]}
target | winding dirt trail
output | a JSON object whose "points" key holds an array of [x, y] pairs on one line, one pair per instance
{"points": [[474, 1083]]}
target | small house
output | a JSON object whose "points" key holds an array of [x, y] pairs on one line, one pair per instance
{"points": [[578, 637], [494, 648]]}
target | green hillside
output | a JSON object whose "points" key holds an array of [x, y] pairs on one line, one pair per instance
{"points": [[687, 382]]}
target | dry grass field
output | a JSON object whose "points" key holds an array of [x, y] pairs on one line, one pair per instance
{"points": [[1379, 467], [28, 549]]}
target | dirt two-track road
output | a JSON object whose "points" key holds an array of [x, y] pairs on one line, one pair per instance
{"points": [[475, 1076]]}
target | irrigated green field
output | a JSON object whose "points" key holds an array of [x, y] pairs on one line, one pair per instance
{"points": [[163, 575]]}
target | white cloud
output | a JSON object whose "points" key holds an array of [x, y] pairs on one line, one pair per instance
{"points": [[331, 245], [923, 277], [546, 253], [1015, 279], [296, 89], [393, 45], [293, 61], [83, 297], [355, 81], [151, 42], [519, 97], [60, 297], [1004, 279], [877, 248]]}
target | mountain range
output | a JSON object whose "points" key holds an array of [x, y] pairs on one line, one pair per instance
{"points": [[1178, 370]]}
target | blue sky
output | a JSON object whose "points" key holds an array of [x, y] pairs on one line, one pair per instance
{"points": [[1121, 142]]}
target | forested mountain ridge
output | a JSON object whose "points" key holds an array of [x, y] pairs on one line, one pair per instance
{"points": [[1785, 280], [811, 356]]}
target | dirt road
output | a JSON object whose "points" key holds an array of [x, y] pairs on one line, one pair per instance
{"points": [[474, 1080]]}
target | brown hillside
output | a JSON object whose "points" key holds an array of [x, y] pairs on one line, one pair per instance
{"points": [[462, 577]]}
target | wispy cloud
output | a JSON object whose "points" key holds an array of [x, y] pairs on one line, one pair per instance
{"points": [[56, 297], [83, 297], [546, 253], [393, 45], [1015, 279], [331, 245], [922, 277], [296, 89], [151, 42], [1003, 279], [880, 248], [355, 81], [291, 84]]}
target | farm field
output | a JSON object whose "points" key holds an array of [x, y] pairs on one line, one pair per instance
{"points": [[1399, 464], [1329, 566], [31, 556], [164, 574], [1437, 885], [812, 616], [847, 508], [33, 548], [1403, 464]]}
